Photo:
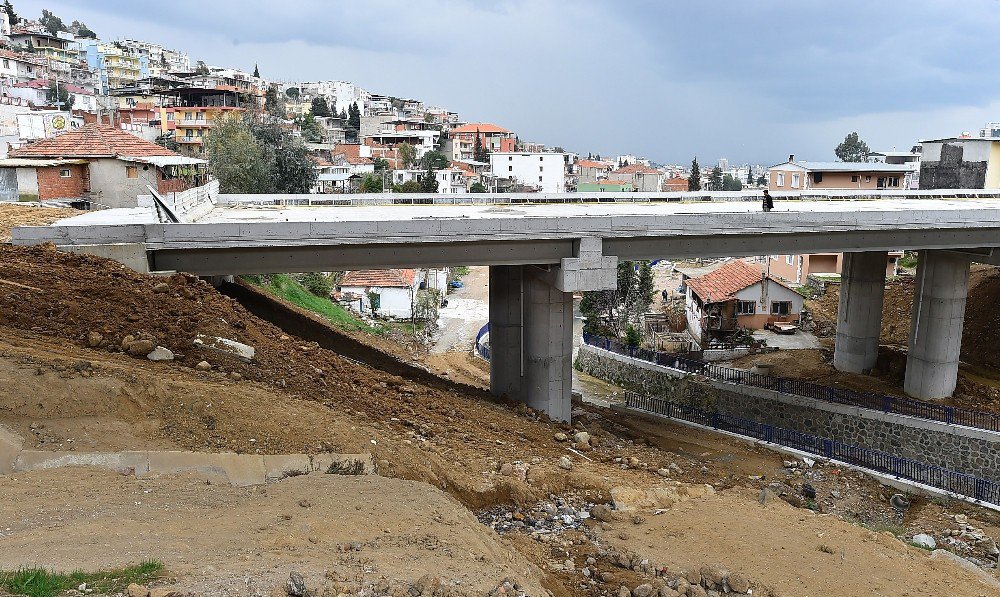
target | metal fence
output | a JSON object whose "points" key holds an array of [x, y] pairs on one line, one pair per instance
{"points": [[960, 483], [890, 404]]}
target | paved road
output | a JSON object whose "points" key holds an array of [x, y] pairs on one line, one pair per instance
{"points": [[468, 310]]}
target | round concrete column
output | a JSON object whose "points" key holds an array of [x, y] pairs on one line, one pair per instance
{"points": [[859, 317], [940, 292]]}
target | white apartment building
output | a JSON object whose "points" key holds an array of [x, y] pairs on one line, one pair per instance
{"points": [[451, 181], [544, 171], [161, 60], [344, 93]]}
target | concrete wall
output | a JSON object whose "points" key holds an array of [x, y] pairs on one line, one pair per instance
{"points": [[963, 449], [111, 186], [27, 184], [955, 164]]}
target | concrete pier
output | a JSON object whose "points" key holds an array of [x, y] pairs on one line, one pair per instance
{"points": [[505, 330], [859, 317], [548, 347], [940, 292]]}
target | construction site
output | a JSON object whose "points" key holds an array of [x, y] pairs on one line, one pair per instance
{"points": [[267, 451]]}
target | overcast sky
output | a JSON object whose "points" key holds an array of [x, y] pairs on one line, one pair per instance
{"points": [[747, 80]]}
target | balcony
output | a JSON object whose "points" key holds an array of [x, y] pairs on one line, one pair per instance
{"points": [[194, 122], [191, 139]]}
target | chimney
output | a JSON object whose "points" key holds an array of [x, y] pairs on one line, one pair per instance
{"points": [[791, 157]]}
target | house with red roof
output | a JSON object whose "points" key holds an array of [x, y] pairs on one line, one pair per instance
{"points": [[642, 178], [461, 143], [36, 92], [97, 163], [737, 295]]}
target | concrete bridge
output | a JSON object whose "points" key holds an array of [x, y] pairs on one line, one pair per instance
{"points": [[540, 254]]}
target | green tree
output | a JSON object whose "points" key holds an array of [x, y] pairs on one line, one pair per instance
{"points": [[434, 159], [407, 155], [9, 9], [731, 183], [354, 117], [51, 23], [311, 130], [168, 141], [273, 104], [317, 283], [613, 312], [381, 164], [715, 180], [479, 152], [80, 30], [410, 186], [749, 176], [292, 93], [371, 183], [852, 149], [201, 68], [694, 181], [429, 182], [761, 181], [319, 107], [237, 158], [57, 94], [477, 187]]}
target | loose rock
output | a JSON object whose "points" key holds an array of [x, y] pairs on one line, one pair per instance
{"points": [[160, 353], [296, 585], [565, 463], [203, 366]]}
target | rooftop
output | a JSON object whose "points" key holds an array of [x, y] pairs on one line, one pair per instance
{"points": [[379, 278], [482, 127], [92, 141], [722, 284], [847, 166]]}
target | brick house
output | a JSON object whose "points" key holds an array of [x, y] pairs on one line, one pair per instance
{"points": [[97, 163]]}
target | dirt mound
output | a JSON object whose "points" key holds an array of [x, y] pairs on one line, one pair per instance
{"points": [[895, 311], [981, 334], [13, 215]]}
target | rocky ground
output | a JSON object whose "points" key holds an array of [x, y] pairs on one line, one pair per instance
{"points": [[612, 505]]}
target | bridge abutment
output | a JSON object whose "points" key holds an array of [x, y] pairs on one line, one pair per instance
{"points": [[939, 297], [859, 316]]}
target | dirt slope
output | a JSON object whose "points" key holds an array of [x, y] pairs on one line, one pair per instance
{"points": [[14, 214]]}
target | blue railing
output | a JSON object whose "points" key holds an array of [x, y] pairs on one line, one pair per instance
{"points": [[870, 400], [960, 483]]}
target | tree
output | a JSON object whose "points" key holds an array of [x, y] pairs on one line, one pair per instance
{"points": [[201, 68], [354, 117], [477, 187], [51, 23], [425, 311], [434, 159], [273, 104], [292, 93], [410, 186], [749, 176], [80, 30], [168, 141], [319, 107], [731, 183], [256, 72], [479, 152], [429, 181], [613, 312], [59, 96], [317, 283], [694, 181], [853, 149], [761, 181], [715, 180], [237, 158], [292, 171], [381, 164], [407, 155], [311, 130], [9, 9], [371, 183]]}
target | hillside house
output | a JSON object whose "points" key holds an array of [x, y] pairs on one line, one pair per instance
{"points": [[98, 163], [388, 292], [737, 296]]}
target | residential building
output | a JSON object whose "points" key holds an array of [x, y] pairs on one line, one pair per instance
{"points": [[451, 181], [991, 130], [340, 94], [675, 184], [544, 172], [594, 170], [737, 295], [17, 67], [36, 91], [960, 163], [461, 143], [796, 269], [422, 141], [51, 47], [604, 186], [161, 60], [192, 111], [116, 65], [99, 163], [388, 293], [642, 178], [803, 176], [631, 160]]}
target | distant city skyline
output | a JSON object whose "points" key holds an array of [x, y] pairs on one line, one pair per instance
{"points": [[751, 82]]}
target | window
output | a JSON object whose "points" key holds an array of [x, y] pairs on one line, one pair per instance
{"points": [[779, 179], [781, 308], [541, 168], [65, 173], [817, 177], [746, 307], [131, 171], [539, 179], [510, 168], [795, 181], [868, 179], [540, 158], [854, 178], [788, 259], [6, 63]]}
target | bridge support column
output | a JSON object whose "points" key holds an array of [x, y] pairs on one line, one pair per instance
{"points": [[940, 292], [859, 317], [505, 330], [548, 348]]}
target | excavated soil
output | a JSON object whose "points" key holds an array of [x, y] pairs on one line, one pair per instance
{"points": [[13, 215]]}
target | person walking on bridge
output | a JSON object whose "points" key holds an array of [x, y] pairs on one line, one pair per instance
{"points": [[768, 202]]}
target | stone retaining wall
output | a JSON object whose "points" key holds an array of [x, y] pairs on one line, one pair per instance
{"points": [[964, 449]]}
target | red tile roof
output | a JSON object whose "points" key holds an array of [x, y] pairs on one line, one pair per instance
{"points": [[482, 127], [380, 278], [44, 84], [91, 141], [593, 164], [723, 284], [636, 169]]}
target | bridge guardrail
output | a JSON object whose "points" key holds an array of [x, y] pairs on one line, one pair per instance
{"points": [[951, 415], [971, 486]]}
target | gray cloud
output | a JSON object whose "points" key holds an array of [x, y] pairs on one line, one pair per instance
{"points": [[751, 81]]}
